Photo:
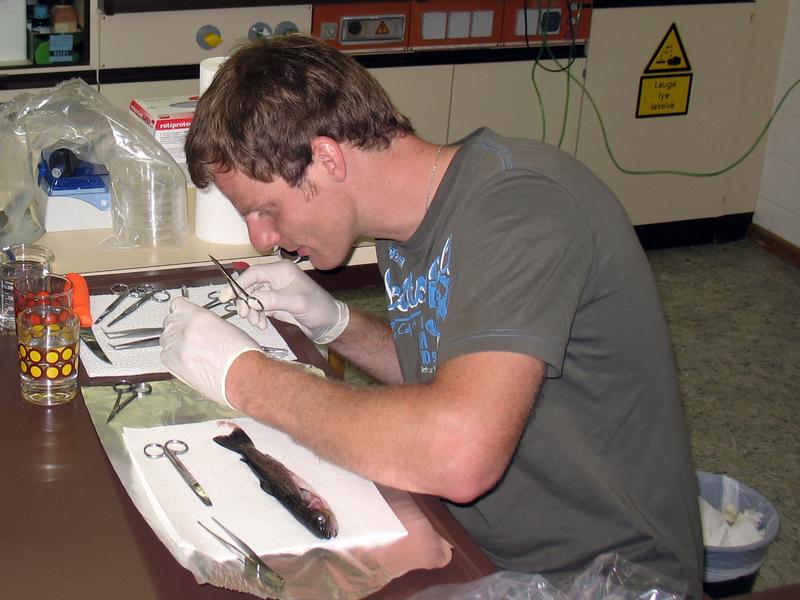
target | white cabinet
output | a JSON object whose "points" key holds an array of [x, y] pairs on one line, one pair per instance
{"points": [[502, 96], [422, 94]]}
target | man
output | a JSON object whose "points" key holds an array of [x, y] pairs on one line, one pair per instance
{"points": [[529, 377]]}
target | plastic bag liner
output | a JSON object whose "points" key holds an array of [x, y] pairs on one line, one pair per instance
{"points": [[148, 186], [609, 577], [724, 563], [18, 223]]}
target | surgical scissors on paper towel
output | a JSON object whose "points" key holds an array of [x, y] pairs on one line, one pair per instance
{"points": [[122, 291], [252, 302], [126, 387], [149, 294], [171, 449], [253, 565]]}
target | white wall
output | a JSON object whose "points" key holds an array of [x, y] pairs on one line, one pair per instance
{"points": [[778, 206]]}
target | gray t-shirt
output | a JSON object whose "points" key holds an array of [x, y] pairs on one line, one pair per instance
{"points": [[524, 250]]}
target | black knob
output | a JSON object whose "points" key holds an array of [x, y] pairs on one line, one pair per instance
{"points": [[354, 27], [62, 162]]}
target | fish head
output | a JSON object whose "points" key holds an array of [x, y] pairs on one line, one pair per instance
{"points": [[325, 523]]}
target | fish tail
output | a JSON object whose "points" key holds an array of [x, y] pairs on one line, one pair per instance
{"points": [[237, 440]]}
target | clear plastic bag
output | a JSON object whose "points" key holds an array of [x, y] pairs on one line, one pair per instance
{"points": [[609, 577], [18, 223], [148, 186]]}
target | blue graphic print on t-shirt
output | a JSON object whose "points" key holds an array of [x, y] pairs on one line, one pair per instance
{"points": [[418, 304]]}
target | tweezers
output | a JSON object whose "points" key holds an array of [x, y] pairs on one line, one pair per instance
{"points": [[129, 333], [253, 565], [143, 343], [153, 333], [154, 338]]}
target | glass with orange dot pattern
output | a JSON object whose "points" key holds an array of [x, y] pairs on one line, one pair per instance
{"points": [[48, 343]]}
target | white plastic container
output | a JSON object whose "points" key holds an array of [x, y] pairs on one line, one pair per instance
{"points": [[13, 31]]}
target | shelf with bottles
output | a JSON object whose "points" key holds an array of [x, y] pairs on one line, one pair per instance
{"points": [[54, 34]]}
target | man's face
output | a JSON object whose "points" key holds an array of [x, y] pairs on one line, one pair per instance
{"points": [[306, 219]]}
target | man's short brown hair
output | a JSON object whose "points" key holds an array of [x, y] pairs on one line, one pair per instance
{"points": [[272, 97]]}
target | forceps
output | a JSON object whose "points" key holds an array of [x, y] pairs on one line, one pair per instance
{"points": [[238, 291], [253, 565], [157, 295], [154, 333], [123, 291], [171, 449], [126, 387]]}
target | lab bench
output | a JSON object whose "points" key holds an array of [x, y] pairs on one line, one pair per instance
{"points": [[70, 529]]}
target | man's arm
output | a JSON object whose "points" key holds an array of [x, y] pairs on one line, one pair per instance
{"points": [[367, 343], [452, 437]]}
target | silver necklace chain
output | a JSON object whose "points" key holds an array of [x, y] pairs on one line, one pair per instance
{"points": [[433, 177]]}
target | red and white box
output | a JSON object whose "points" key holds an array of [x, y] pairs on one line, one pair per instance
{"points": [[169, 118]]}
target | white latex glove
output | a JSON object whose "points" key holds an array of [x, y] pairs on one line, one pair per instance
{"points": [[288, 294], [198, 347]]}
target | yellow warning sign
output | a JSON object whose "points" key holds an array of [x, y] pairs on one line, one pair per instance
{"points": [[382, 29], [663, 95], [670, 55]]}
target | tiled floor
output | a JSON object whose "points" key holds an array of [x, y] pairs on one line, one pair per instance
{"points": [[734, 317]]}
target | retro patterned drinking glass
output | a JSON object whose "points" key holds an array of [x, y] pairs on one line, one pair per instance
{"points": [[47, 350], [35, 290]]}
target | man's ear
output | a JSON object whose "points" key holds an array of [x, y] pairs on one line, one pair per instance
{"points": [[327, 153]]}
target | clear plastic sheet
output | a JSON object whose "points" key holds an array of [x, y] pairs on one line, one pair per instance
{"points": [[148, 186], [18, 223], [609, 577], [319, 573]]}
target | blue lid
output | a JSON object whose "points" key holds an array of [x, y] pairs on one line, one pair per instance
{"points": [[40, 11], [90, 182]]}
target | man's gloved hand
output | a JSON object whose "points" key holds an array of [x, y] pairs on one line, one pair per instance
{"points": [[198, 347], [288, 294]]}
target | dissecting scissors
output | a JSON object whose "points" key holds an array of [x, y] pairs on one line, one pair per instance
{"points": [[123, 291], [171, 449], [253, 565], [252, 302], [149, 294], [135, 390]]}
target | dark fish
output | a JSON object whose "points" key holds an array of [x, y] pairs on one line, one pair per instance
{"points": [[290, 490]]}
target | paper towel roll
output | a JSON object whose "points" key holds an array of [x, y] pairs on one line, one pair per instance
{"points": [[208, 68], [215, 219]]}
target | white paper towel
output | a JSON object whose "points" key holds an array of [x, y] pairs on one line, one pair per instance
{"points": [[363, 516], [215, 219], [143, 361]]}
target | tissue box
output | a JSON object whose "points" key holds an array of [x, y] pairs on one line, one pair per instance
{"points": [[169, 119]]}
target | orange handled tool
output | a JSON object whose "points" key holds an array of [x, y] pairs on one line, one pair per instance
{"points": [[80, 305], [80, 298]]}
